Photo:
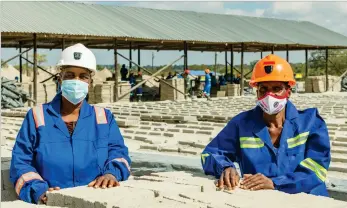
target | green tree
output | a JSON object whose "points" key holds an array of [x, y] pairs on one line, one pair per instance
{"points": [[337, 62]]}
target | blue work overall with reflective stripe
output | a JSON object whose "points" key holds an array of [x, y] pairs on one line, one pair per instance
{"points": [[300, 163], [207, 88], [46, 155]]}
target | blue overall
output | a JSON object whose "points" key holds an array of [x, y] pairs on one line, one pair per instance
{"points": [[46, 155], [207, 88], [300, 163]]}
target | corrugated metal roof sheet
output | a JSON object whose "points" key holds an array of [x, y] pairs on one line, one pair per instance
{"points": [[68, 18]]}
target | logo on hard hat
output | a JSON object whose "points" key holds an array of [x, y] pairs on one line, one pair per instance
{"points": [[77, 55]]}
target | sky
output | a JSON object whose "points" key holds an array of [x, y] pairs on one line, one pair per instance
{"points": [[332, 15]]}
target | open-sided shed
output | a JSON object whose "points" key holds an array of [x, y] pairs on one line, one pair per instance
{"points": [[56, 25]]}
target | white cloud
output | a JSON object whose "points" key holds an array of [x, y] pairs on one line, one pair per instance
{"points": [[256, 12], [331, 15], [291, 7]]}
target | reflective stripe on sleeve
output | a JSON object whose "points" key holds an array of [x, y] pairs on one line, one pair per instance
{"points": [[38, 116], [298, 140], [203, 157], [251, 142], [122, 160], [25, 178], [100, 115], [320, 171]]}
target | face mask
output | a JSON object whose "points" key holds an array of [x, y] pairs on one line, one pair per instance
{"points": [[74, 90], [272, 104]]}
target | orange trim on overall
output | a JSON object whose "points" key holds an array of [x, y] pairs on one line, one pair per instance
{"points": [[25, 178]]}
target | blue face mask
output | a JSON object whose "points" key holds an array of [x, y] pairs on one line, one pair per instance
{"points": [[74, 90]]}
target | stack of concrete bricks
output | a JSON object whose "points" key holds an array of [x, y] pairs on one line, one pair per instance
{"points": [[124, 88], [169, 93], [177, 189], [317, 84], [233, 90]]}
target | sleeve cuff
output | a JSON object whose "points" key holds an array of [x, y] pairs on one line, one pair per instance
{"points": [[111, 169], [38, 190]]}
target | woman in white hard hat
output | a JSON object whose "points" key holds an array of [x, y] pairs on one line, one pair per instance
{"points": [[67, 142]]}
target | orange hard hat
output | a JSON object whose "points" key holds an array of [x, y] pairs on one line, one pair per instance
{"points": [[207, 71], [272, 68], [187, 71]]}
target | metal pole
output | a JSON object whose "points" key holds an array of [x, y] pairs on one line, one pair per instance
{"points": [[326, 70], [261, 54], [185, 55], [115, 71], [226, 61], [152, 60], [20, 63], [156, 73], [287, 53], [27, 63], [35, 68], [306, 63], [10, 59], [232, 62], [215, 62], [150, 73], [272, 50], [130, 55], [242, 72], [63, 44], [138, 58], [39, 67]]}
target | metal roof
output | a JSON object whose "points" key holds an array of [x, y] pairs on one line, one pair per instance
{"points": [[62, 19]]}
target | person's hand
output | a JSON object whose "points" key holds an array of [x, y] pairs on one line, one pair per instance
{"points": [[256, 182], [43, 198], [105, 181], [229, 178]]}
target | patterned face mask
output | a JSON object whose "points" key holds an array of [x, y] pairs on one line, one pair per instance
{"points": [[271, 103]]}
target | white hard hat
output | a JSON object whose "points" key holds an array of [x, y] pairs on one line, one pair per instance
{"points": [[78, 55]]}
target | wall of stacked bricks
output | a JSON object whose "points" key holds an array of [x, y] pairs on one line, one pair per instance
{"points": [[181, 129]]}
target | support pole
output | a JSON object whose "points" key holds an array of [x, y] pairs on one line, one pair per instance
{"points": [[10, 59], [153, 75], [306, 63], [287, 53], [115, 71], [138, 58], [226, 60], [150, 73], [185, 55], [326, 70], [215, 62], [39, 67], [20, 63], [273, 50], [130, 55], [35, 69], [231, 63], [261, 54], [62, 44], [242, 72], [27, 63]]}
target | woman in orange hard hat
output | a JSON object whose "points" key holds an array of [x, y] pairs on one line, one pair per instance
{"points": [[276, 146]]}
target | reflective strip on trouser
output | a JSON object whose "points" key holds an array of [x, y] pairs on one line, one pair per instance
{"points": [[251, 142], [38, 116], [203, 157], [320, 171], [122, 160], [100, 115], [298, 140], [25, 178]]}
